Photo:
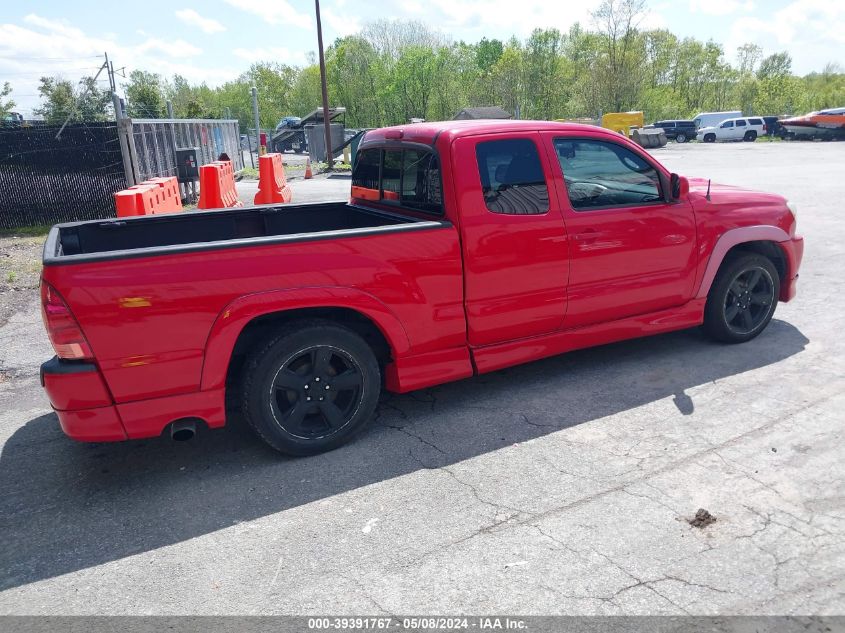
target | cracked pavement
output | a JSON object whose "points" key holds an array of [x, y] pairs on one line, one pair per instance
{"points": [[563, 486]]}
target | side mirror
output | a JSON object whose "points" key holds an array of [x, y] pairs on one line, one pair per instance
{"points": [[678, 186]]}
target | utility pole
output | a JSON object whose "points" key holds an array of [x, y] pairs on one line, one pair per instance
{"points": [[169, 104], [257, 123], [110, 71], [75, 103], [326, 118]]}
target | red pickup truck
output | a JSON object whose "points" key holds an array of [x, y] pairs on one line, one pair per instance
{"points": [[465, 247]]}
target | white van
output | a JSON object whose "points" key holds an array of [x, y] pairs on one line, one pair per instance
{"points": [[711, 119]]}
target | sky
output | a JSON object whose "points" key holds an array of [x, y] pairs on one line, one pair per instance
{"points": [[214, 41]]}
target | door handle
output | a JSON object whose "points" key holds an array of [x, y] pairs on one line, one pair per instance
{"points": [[589, 235]]}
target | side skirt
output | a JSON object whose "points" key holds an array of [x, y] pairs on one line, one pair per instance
{"points": [[492, 357]]}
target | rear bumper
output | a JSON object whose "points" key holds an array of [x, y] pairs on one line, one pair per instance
{"points": [[794, 251], [87, 413], [81, 400]]}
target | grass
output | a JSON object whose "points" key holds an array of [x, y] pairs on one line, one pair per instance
{"points": [[12, 277], [38, 230], [337, 167], [249, 173]]}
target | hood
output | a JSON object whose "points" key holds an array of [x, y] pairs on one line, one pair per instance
{"points": [[732, 196], [709, 128]]}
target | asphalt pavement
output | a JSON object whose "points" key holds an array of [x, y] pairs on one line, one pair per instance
{"points": [[561, 486]]}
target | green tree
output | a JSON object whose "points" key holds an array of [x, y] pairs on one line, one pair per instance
{"points": [[6, 105], [620, 71], [777, 65], [778, 91], [145, 95], [60, 100]]}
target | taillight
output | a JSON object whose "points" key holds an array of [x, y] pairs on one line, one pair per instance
{"points": [[62, 328], [764, 128]]}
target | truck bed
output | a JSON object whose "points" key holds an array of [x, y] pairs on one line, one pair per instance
{"points": [[205, 230]]}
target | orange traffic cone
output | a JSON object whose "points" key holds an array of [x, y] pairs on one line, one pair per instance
{"points": [[308, 173]]}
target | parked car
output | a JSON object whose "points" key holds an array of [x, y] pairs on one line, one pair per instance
{"points": [[289, 135], [713, 119], [742, 129], [678, 130], [773, 126], [465, 247]]}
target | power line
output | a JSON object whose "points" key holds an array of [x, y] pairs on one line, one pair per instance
{"points": [[66, 59], [42, 73]]}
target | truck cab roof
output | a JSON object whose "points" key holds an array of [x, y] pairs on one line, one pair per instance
{"points": [[428, 132]]}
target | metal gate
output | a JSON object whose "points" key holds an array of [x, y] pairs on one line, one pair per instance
{"points": [[151, 143]]}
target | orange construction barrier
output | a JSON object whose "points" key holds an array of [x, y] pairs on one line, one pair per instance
{"points": [[217, 186], [272, 185], [171, 198], [158, 195], [308, 172]]}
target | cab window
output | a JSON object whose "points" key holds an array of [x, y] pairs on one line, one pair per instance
{"points": [[740, 122], [602, 174], [404, 177], [512, 179]]}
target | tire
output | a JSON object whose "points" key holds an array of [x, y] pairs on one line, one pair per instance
{"points": [[742, 299], [709, 138], [681, 138], [750, 136], [279, 377]]}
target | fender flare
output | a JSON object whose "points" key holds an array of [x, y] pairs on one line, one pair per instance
{"points": [[239, 313], [732, 238]]}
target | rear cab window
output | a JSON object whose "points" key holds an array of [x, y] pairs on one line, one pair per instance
{"points": [[512, 178], [401, 177], [740, 123]]}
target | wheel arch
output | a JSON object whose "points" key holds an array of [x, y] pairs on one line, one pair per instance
{"points": [[764, 240], [247, 319]]}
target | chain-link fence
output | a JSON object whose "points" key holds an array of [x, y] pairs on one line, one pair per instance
{"points": [[45, 180], [155, 142]]}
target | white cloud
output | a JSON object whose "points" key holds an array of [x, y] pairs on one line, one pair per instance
{"points": [[54, 26], [720, 7], [206, 25], [176, 48], [279, 54], [340, 25], [275, 12], [811, 31], [481, 16], [41, 46]]}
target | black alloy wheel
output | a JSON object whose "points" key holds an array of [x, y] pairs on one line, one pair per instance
{"points": [[311, 388], [742, 299], [316, 392], [748, 300]]}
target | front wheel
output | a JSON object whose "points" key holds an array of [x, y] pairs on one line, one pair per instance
{"points": [[742, 299], [681, 138], [311, 389], [709, 138]]}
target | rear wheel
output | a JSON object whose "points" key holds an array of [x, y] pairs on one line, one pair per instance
{"points": [[681, 138], [709, 138], [311, 389], [743, 298], [750, 136]]}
